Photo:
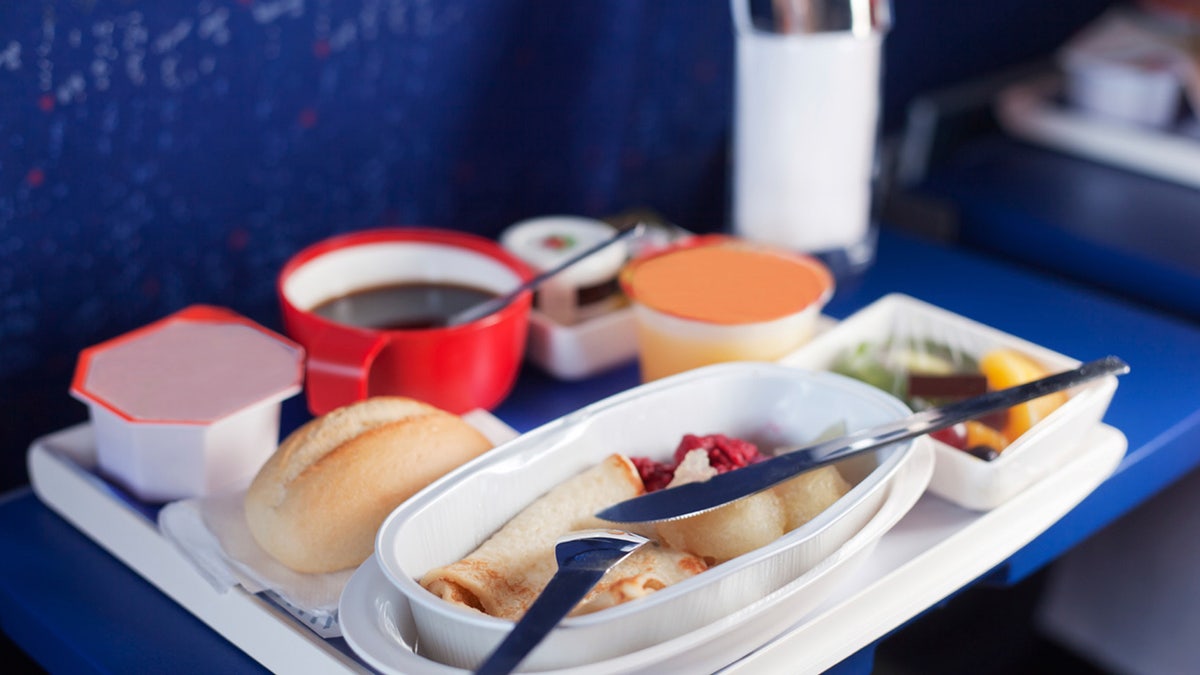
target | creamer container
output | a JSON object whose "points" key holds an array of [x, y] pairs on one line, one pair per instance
{"points": [[711, 299]]}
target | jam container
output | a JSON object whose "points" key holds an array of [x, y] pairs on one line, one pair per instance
{"points": [[189, 405]]}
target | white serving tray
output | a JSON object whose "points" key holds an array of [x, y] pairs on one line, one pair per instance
{"points": [[936, 549]]}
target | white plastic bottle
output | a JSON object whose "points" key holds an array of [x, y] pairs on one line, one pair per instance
{"points": [[806, 125]]}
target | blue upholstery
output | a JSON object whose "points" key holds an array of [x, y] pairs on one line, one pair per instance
{"points": [[158, 154]]}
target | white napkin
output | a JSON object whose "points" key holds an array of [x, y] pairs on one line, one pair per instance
{"points": [[212, 533]]}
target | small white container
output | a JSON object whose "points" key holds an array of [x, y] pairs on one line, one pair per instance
{"points": [[189, 405], [958, 476], [767, 403], [582, 291], [1139, 89], [581, 323], [584, 349], [604, 337]]}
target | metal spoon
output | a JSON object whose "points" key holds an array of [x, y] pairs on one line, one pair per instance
{"points": [[495, 304], [583, 558]]}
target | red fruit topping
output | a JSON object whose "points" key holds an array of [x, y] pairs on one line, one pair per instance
{"points": [[655, 475], [724, 454]]}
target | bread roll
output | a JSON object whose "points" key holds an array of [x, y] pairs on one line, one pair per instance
{"points": [[317, 503]]}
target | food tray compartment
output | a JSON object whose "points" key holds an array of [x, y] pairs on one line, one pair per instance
{"points": [[958, 476]]}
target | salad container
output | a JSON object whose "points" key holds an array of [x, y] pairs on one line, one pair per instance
{"points": [[898, 332]]}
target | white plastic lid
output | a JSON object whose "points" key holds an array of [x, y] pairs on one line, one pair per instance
{"points": [[547, 241]]}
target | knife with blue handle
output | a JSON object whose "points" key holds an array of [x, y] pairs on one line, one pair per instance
{"points": [[692, 498]]}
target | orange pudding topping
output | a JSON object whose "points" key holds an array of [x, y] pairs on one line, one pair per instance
{"points": [[728, 283]]}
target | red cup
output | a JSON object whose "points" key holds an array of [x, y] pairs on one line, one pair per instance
{"points": [[457, 368]]}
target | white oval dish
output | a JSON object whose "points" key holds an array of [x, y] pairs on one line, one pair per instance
{"points": [[767, 403], [377, 620]]}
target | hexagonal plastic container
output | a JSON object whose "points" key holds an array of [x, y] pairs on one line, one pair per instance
{"points": [[189, 405]]}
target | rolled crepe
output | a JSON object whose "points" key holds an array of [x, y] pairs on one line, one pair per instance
{"points": [[807, 495], [507, 572], [749, 523]]}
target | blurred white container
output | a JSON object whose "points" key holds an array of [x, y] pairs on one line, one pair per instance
{"points": [[581, 323], [189, 405], [583, 341], [1129, 66], [763, 402], [959, 476], [806, 124], [1130, 88], [584, 349]]}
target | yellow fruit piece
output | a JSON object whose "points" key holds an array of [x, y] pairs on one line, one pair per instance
{"points": [[979, 434], [1007, 368]]}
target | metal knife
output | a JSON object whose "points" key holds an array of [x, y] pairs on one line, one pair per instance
{"points": [[693, 498]]}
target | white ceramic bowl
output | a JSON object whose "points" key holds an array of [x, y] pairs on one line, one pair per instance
{"points": [[959, 476], [767, 403]]}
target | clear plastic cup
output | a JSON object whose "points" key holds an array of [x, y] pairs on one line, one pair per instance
{"points": [[711, 299]]}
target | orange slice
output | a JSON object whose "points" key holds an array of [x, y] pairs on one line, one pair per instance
{"points": [[979, 434], [1007, 368]]}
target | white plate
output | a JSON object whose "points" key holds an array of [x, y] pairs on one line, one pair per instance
{"points": [[378, 625]]}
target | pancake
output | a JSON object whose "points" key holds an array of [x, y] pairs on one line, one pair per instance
{"points": [[755, 521], [507, 572]]}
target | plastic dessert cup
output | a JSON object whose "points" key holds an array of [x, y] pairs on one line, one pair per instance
{"points": [[189, 405], [713, 298]]}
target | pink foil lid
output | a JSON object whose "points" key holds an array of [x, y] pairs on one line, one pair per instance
{"points": [[194, 367]]}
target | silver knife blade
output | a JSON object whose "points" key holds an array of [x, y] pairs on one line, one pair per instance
{"points": [[692, 498]]}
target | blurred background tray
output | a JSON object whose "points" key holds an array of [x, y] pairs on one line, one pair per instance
{"points": [[1032, 110]]}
